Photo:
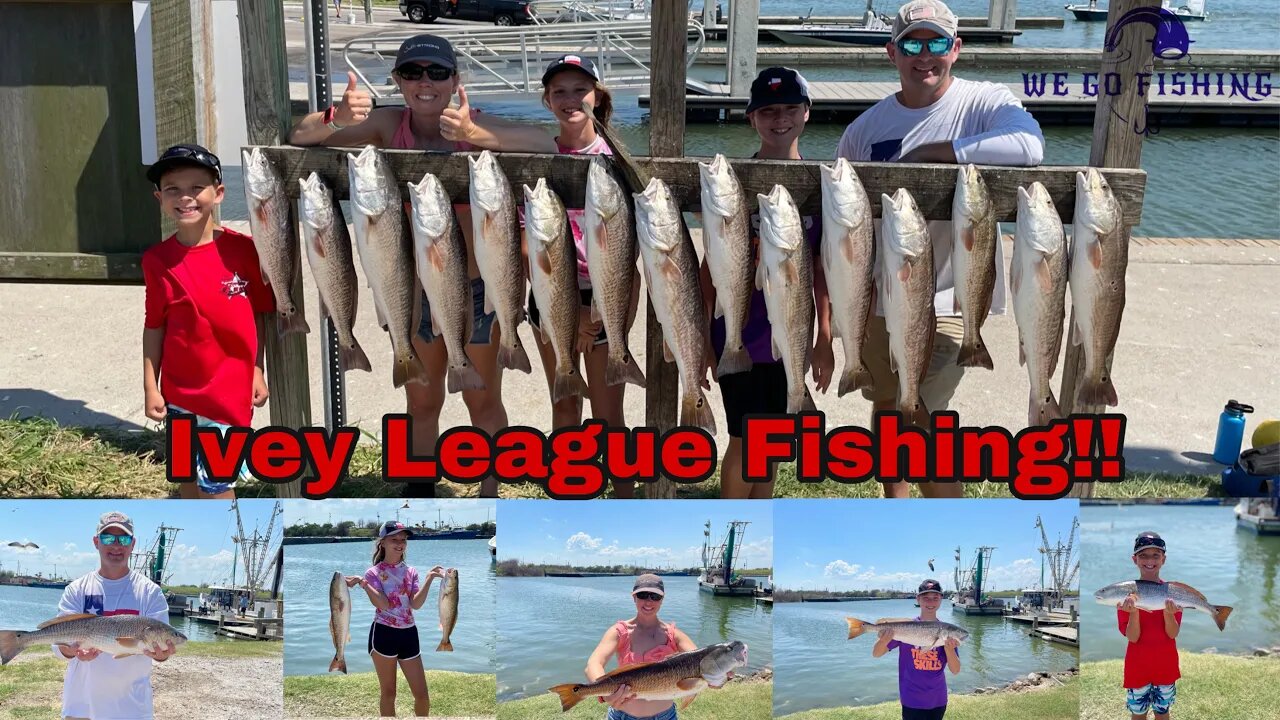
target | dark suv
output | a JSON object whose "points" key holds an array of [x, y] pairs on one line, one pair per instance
{"points": [[499, 12]]}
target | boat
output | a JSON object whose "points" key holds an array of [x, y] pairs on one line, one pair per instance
{"points": [[1088, 13], [50, 584], [1260, 515], [1193, 10], [493, 547], [717, 576], [970, 598]]}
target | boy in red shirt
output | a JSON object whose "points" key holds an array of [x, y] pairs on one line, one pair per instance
{"points": [[202, 342], [1151, 658]]}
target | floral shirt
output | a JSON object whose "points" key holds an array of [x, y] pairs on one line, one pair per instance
{"points": [[399, 583]]}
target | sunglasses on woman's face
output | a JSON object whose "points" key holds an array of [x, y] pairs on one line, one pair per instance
{"points": [[651, 597], [109, 539], [914, 46], [435, 73]]}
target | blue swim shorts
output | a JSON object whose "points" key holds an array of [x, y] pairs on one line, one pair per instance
{"points": [[207, 485], [1151, 697], [483, 321], [616, 714]]}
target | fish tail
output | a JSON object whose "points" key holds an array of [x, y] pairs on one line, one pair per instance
{"points": [[1220, 613], [338, 664], [464, 378], [514, 357], [800, 401], [568, 696], [974, 353], [291, 321], [444, 646], [855, 377], [695, 411], [622, 371], [733, 361], [10, 645], [856, 627], [1099, 391], [567, 384], [1041, 412], [353, 358], [409, 369]]}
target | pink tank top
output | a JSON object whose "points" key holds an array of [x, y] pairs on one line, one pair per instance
{"points": [[404, 140], [626, 657]]}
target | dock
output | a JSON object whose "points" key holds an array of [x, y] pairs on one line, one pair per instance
{"points": [[972, 29], [1061, 635], [844, 101], [1013, 58], [1050, 619], [261, 629]]}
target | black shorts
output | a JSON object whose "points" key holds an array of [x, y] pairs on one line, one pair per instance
{"points": [[392, 642], [584, 294], [930, 714], [761, 390]]}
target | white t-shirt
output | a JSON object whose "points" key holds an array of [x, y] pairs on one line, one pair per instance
{"points": [[986, 125], [106, 688]]}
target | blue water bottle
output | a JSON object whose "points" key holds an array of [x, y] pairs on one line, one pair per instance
{"points": [[1230, 432]]}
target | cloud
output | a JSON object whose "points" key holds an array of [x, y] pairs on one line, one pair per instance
{"points": [[582, 541], [840, 568], [69, 547]]}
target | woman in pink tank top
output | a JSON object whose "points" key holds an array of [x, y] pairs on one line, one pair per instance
{"points": [[426, 73], [641, 639]]}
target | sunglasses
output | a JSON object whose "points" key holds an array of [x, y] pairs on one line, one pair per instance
{"points": [[109, 539], [937, 46], [651, 597], [435, 73], [1148, 542]]}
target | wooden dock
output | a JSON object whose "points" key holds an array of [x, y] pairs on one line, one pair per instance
{"points": [[718, 32], [1061, 635], [844, 101], [1050, 619], [1016, 58], [260, 629]]}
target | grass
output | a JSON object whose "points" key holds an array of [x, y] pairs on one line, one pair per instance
{"points": [[26, 686], [40, 458], [734, 701], [1056, 703], [234, 649], [452, 694], [1222, 687]]}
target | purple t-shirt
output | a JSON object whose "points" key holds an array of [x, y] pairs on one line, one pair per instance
{"points": [[756, 334], [921, 683], [399, 583]]}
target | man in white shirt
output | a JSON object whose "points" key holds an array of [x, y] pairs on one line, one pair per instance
{"points": [[936, 118], [100, 686]]}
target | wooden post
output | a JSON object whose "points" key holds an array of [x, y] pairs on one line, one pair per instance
{"points": [[1002, 14], [266, 98], [666, 139], [368, 12], [173, 70], [1115, 144], [744, 26]]}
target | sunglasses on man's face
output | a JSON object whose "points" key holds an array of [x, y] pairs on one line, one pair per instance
{"points": [[109, 539], [651, 597], [435, 73], [914, 46]]}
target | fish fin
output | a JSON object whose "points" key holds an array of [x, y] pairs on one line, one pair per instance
{"points": [[627, 371], [1042, 412], [689, 684], [595, 312], [567, 385], [846, 247], [488, 302], [261, 211], [9, 646], [338, 664], [856, 627], [955, 302], [408, 369], [968, 237], [444, 646], [1099, 392], [1189, 590], [719, 309], [855, 377], [318, 245], [670, 270], [65, 618], [975, 354], [464, 378], [568, 695], [514, 358], [880, 621], [354, 357], [435, 324], [733, 361], [773, 347], [1095, 254], [1077, 337], [543, 258], [1043, 276], [904, 273], [123, 655], [435, 258], [1022, 354], [790, 273], [292, 322], [666, 352], [1015, 277], [684, 704], [762, 277], [127, 641], [806, 402], [1220, 614], [695, 411]]}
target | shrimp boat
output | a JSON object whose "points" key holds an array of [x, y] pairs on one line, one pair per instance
{"points": [[718, 576]]}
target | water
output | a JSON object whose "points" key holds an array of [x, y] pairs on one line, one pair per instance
{"points": [[819, 667], [1229, 566], [26, 607], [549, 626], [309, 568]]}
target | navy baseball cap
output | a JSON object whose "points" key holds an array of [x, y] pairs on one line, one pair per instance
{"points": [[427, 48], [1148, 539], [778, 86], [186, 154], [391, 527], [570, 61], [929, 586]]}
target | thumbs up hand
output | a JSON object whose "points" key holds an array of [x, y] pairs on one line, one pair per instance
{"points": [[455, 123], [355, 104]]}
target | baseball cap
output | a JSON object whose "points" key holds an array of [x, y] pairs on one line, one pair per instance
{"points": [[427, 48], [570, 61], [185, 154], [391, 527], [649, 583], [778, 86], [929, 586], [925, 15], [116, 520], [1148, 539]]}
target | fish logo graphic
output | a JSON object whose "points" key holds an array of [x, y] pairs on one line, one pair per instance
{"points": [[1170, 41]]}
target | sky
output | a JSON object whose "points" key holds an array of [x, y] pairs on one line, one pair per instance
{"points": [[64, 530], [423, 511], [887, 544], [656, 533]]}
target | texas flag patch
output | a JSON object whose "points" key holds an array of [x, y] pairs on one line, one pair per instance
{"points": [[775, 83]]}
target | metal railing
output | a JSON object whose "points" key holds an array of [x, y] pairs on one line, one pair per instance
{"points": [[547, 12], [511, 60]]}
